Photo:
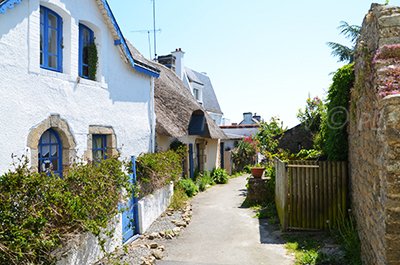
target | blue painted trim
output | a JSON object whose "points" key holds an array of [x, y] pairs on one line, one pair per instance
{"points": [[103, 148], [8, 4], [117, 42], [191, 162], [91, 35], [45, 64], [128, 53]]}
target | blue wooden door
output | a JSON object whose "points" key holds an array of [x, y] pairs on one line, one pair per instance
{"points": [[191, 161], [130, 219], [221, 150]]}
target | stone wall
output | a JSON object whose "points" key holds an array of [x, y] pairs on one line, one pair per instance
{"points": [[374, 139]]}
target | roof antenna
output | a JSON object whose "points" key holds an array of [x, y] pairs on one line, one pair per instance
{"points": [[147, 31], [154, 30]]}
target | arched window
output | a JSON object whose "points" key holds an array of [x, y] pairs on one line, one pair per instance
{"points": [[86, 40], [50, 40], [50, 153]]}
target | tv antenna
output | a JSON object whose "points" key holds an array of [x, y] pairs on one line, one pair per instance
{"points": [[148, 31]]}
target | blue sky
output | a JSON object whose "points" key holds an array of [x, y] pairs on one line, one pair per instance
{"points": [[262, 56]]}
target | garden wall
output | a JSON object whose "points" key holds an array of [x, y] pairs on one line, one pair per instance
{"points": [[153, 205], [374, 137]]}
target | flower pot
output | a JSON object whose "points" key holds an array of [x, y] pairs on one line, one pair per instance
{"points": [[257, 172]]}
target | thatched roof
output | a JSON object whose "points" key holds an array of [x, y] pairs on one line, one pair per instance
{"points": [[174, 104]]}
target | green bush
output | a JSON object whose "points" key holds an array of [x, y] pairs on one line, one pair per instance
{"points": [[188, 186], [179, 198], [156, 170], [334, 128], [204, 180], [39, 211], [219, 176]]}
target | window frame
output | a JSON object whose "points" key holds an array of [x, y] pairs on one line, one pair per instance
{"points": [[83, 27], [44, 20], [58, 143], [104, 149]]}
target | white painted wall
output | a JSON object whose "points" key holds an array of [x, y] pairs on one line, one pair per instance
{"points": [[85, 249], [121, 97], [213, 154], [153, 205]]}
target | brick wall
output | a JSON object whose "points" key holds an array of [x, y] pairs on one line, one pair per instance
{"points": [[374, 139]]}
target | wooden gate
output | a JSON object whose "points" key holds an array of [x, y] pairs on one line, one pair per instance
{"points": [[310, 194], [130, 217]]}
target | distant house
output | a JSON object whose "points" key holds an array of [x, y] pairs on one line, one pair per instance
{"points": [[199, 84], [235, 132], [296, 138]]}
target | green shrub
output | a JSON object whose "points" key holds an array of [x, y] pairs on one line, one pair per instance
{"points": [[156, 170], [39, 211], [204, 180], [179, 198], [188, 186], [334, 128], [219, 176]]}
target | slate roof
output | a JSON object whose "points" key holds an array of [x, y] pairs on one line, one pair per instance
{"points": [[175, 104], [210, 101]]}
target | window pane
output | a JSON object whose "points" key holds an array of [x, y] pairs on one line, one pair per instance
{"points": [[45, 139], [55, 164], [52, 20], [97, 155], [85, 55], [52, 41], [45, 151], [54, 150], [53, 139], [52, 61], [98, 143], [85, 71]]}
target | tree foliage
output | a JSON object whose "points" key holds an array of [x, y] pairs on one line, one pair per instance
{"points": [[268, 136], [345, 53], [334, 129]]}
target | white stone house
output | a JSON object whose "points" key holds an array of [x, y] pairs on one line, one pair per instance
{"points": [[54, 107]]}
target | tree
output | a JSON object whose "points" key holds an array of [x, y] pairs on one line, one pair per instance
{"points": [[311, 116], [344, 53], [268, 136]]}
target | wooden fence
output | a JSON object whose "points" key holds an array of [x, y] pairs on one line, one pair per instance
{"points": [[310, 195]]}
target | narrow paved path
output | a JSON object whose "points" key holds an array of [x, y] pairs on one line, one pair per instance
{"points": [[222, 232]]}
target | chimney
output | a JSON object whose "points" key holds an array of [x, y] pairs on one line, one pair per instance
{"points": [[179, 62], [257, 117], [168, 61], [247, 116]]}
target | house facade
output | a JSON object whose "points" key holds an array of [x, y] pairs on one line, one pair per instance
{"points": [[52, 110], [71, 89]]}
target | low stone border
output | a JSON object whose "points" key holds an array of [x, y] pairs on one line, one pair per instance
{"points": [[149, 247]]}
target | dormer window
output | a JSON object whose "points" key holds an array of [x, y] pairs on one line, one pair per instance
{"points": [[196, 94], [50, 40], [86, 43]]}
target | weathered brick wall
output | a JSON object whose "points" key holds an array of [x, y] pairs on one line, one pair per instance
{"points": [[374, 138]]}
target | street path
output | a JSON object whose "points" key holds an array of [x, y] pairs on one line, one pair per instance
{"points": [[222, 232]]}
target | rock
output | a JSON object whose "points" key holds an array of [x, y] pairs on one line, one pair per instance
{"points": [[152, 236], [176, 230], [181, 224], [157, 254], [169, 236], [169, 213], [161, 248], [153, 245], [161, 234]]}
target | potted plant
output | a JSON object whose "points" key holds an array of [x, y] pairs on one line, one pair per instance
{"points": [[257, 171]]}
